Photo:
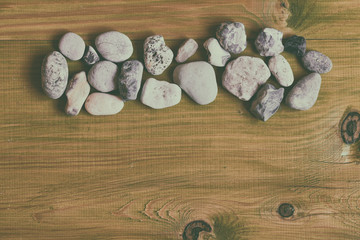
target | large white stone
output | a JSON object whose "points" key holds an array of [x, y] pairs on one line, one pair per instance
{"points": [[103, 104], [77, 92], [103, 76], [217, 56], [281, 70]]}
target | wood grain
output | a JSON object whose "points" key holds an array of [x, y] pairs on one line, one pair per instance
{"points": [[144, 173]]}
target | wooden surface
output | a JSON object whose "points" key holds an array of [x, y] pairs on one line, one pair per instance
{"points": [[145, 174]]}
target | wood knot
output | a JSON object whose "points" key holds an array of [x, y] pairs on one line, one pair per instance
{"points": [[286, 210], [192, 230], [350, 128]]}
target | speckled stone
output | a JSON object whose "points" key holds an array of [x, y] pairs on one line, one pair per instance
{"points": [[160, 94], [186, 50], [114, 46], [91, 56], [267, 102], [103, 76], [317, 62], [281, 70], [100, 104], [157, 56], [305, 93], [232, 37], [72, 46], [54, 75], [77, 92], [269, 42], [217, 56], [296, 45], [130, 79], [243, 76]]}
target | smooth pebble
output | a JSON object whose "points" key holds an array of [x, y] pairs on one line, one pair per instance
{"points": [[103, 76], [281, 70], [269, 42], [317, 62], [217, 56], [232, 37], [296, 45], [72, 46], [91, 56], [103, 104], [77, 92], [130, 79], [186, 50], [157, 56]]}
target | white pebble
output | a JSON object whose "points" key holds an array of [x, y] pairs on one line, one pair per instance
{"points": [[76, 93], [216, 54], [186, 50], [102, 76], [72, 46], [281, 70], [103, 104]]}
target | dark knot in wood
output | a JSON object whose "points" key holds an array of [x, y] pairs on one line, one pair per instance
{"points": [[350, 128], [286, 210], [192, 230]]}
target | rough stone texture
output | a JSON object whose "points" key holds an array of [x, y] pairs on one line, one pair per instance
{"points": [[244, 75], [281, 70], [160, 94], [103, 104], [186, 50], [91, 56], [217, 56], [157, 56], [72, 46], [305, 93], [267, 102], [76, 93], [103, 76], [269, 42], [114, 46], [54, 75], [317, 62], [232, 37], [296, 45], [130, 79], [198, 80]]}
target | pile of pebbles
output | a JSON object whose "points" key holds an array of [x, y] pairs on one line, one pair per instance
{"points": [[117, 79]]}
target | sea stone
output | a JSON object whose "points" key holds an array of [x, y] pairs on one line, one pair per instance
{"points": [[130, 79], [76, 93], [114, 46], [198, 80], [54, 75], [267, 102], [102, 76], [317, 62], [244, 75], [216, 54], [160, 94], [269, 42], [296, 45], [305, 93], [103, 104], [91, 56], [186, 50], [232, 37], [72, 46], [157, 56], [281, 70]]}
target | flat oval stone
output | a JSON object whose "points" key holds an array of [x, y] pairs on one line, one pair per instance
{"points": [[72, 46], [305, 93], [281, 70], [130, 79], [198, 80], [91, 56], [77, 92], [103, 75], [54, 75], [103, 104], [232, 37], [296, 45], [160, 94], [317, 62], [217, 56], [267, 102], [186, 50], [157, 56], [243, 76], [114, 46], [269, 42]]}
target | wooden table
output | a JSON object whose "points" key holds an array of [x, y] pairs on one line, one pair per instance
{"points": [[147, 174]]}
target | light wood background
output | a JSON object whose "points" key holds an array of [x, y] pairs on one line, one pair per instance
{"points": [[144, 173]]}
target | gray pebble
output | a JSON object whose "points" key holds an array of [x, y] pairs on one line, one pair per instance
{"points": [[103, 75], [305, 93], [72, 46], [267, 102], [232, 37], [114, 46], [54, 75], [157, 56], [269, 42], [130, 79], [91, 56], [317, 62], [295, 44]]}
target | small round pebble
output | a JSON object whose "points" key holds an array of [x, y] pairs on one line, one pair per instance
{"points": [[296, 45], [91, 56], [54, 75], [217, 56], [317, 62], [232, 37], [130, 79], [269, 42], [114, 46], [76, 93], [186, 50], [281, 70], [103, 104], [160, 94], [72, 46], [103, 75]]}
